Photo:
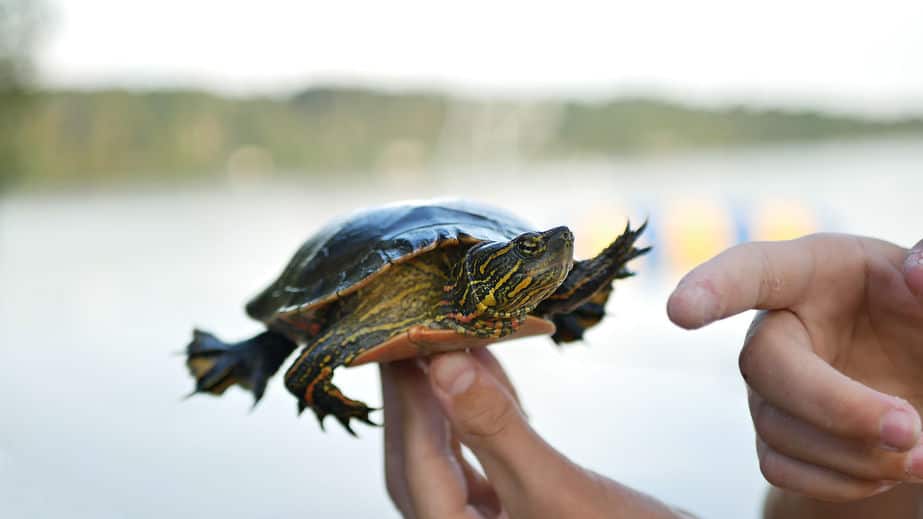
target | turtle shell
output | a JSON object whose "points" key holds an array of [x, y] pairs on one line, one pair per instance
{"points": [[346, 254]]}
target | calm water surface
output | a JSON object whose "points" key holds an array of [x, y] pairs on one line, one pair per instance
{"points": [[99, 290]]}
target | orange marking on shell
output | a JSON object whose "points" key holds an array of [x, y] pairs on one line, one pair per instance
{"points": [[422, 340]]}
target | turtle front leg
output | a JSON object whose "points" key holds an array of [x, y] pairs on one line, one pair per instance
{"points": [[570, 327], [580, 300], [310, 379]]}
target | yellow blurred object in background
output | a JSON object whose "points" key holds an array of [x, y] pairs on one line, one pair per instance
{"points": [[695, 229], [783, 220], [598, 224]]}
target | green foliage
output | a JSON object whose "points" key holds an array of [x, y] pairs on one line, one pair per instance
{"points": [[648, 126], [106, 136]]}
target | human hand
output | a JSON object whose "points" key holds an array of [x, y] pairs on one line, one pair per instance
{"points": [[462, 398], [834, 366]]}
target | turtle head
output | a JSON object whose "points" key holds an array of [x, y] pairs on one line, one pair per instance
{"points": [[511, 278]]}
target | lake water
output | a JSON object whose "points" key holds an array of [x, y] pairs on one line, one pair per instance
{"points": [[100, 289]]}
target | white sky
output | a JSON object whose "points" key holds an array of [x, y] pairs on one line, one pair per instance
{"points": [[846, 55]]}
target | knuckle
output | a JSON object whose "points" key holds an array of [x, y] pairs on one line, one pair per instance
{"points": [[764, 417], [891, 467], [766, 344], [849, 414], [771, 283], [771, 466], [745, 360], [488, 415], [750, 355]]}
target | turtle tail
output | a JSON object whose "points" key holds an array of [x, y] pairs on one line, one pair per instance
{"points": [[217, 365]]}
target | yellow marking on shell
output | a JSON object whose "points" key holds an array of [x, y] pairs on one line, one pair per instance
{"points": [[381, 328], [445, 244], [496, 254], [428, 268], [388, 303], [522, 285]]}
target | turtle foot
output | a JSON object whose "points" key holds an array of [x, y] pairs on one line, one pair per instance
{"points": [[570, 327], [327, 399], [216, 365]]}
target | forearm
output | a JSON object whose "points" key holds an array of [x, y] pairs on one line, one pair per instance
{"points": [[904, 501], [622, 501]]}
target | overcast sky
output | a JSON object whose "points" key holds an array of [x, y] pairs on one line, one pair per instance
{"points": [[854, 56]]}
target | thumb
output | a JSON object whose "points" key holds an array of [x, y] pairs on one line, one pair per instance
{"points": [[913, 269], [484, 416]]}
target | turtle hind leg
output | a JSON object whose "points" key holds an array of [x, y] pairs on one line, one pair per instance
{"points": [[217, 365]]}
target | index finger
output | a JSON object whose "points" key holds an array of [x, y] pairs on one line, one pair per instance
{"points": [[395, 479], [756, 275], [436, 481]]}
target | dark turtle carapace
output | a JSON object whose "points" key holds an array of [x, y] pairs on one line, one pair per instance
{"points": [[403, 280]]}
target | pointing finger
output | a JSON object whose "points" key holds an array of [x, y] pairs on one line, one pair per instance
{"points": [[758, 275]]}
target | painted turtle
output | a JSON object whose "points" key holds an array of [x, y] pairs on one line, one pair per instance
{"points": [[402, 280]]}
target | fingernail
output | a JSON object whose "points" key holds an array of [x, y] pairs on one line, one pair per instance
{"points": [[915, 462], [915, 258], [885, 486], [898, 430], [454, 373]]}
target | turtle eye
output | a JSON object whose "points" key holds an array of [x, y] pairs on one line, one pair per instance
{"points": [[530, 246]]}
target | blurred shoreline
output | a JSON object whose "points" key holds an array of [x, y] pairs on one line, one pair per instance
{"points": [[63, 139]]}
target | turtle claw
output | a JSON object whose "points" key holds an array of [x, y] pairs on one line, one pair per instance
{"points": [[359, 412], [344, 420], [364, 418], [328, 400], [217, 365]]}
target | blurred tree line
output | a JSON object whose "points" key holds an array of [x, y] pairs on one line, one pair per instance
{"points": [[20, 21], [64, 137], [111, 135]]}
